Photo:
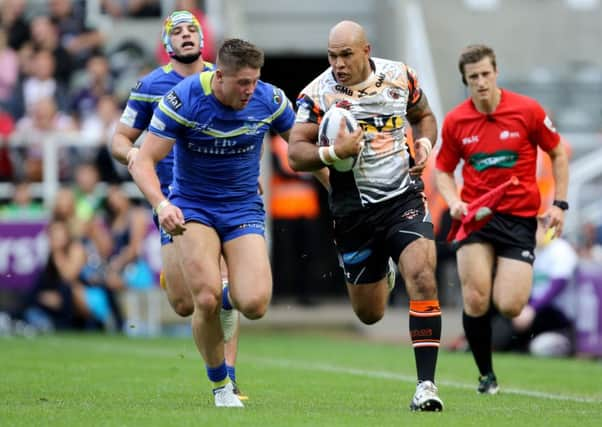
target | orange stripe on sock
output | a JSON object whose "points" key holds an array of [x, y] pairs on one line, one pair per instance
{"points": [[425, 308]]}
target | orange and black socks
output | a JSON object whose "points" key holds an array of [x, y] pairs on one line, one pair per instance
{"points": [[425, 331]]}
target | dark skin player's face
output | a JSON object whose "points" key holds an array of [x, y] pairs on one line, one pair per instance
{"points": [[349, 61]]}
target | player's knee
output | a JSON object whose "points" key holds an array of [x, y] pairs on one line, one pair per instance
{"points": [[369, 315], [253, 308], [182, 307], [475, 304], [207, 302], [510, 310]]}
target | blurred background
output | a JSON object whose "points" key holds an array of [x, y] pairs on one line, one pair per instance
{"points": [[66, 69]]}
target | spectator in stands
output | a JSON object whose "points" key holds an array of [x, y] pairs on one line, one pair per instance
{"points": [[92, 233], [14, 22], [22, 206], [61, 299], [9, 71], [589, 247], [58, 299], [45, 36], [97, 82], [100, 126], [32, 132], [209, 44], [89, 196], [40, 83], [7, 125], [128, 225], [80, 40], [98, 245], [132, 8]]}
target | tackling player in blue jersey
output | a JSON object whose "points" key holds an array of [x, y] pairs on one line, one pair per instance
{"points": [[183, 41], [216, 122]]}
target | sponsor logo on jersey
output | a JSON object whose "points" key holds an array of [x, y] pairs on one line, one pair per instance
{"points": [[470, 139], [138, 85], [173, 101], [277, 98], [527, 255], [344, 89], [548, 123], [410, 214], [426, 332], [499, 159], [394, 93], [506, 134], [256, 225], [252, 128]]}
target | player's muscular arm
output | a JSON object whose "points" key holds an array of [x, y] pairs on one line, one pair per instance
{"points": [[424, 126], [322, 175], [123, 142], [423, 120], [302, 150], [153, 149], [304, 154]]}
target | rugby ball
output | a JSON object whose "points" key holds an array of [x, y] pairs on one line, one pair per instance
{"points": [[329, 128]]}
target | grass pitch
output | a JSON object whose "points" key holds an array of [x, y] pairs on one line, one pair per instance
{"points": [[292, 379]]}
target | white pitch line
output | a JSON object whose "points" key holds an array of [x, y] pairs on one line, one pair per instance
{"points": [[323, 367], [412, 379]]}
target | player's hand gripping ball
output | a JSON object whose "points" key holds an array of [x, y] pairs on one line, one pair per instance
{"points": [[329, 128]]}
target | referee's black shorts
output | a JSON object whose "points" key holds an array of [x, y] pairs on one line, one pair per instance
{"points": [[511, 236]]}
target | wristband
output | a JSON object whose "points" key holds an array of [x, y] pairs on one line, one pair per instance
{"points": [[321, 151], [333, 154], [161, 205], [426, 143], [562, 204]]}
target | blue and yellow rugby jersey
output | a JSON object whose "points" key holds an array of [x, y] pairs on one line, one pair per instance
{"points": [[143, 99], [217, 149]]}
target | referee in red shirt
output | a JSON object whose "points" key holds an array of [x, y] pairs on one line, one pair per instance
{"points": [[496, 132]]}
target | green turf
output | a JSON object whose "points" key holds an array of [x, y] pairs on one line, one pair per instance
{"points": [[292, 380]]}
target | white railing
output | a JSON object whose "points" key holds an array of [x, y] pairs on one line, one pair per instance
{"points": [[582, 172], [51, 143]]}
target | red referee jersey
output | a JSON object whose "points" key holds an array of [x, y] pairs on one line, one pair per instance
{"points": [[496, 147]]}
